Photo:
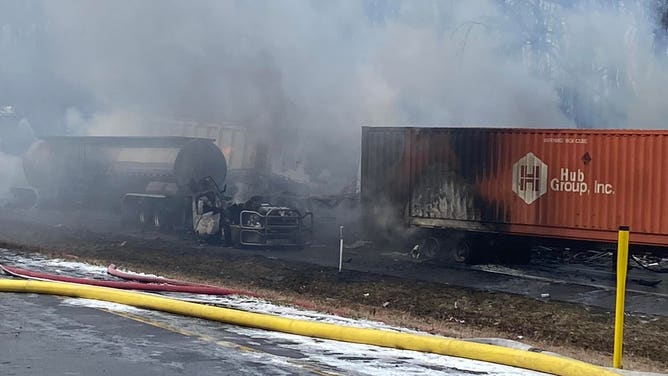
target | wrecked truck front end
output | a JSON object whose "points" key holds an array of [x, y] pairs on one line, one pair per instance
{"points": [[272, 226]]}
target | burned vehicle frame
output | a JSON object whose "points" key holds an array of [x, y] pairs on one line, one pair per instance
{"points": [[257, 223]]}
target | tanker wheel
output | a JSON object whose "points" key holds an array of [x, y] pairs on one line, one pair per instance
{"points": [[143, 217], [158, 221]]}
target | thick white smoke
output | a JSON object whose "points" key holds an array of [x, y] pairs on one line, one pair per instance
{"points": [[308, 73], [463, 75], [15, 135], [10, 173]]}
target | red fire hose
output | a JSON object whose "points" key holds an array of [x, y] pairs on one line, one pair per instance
{"points": [[111, 270], [149, 283], [209, 290]]}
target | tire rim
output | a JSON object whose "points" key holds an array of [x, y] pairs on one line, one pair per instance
{"points": [[462, 252], [430, 247]]}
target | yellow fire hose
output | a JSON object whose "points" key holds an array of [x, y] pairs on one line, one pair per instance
{"points": [[425, 343]]}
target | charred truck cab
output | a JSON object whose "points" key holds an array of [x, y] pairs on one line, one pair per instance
{"points": [[257, 223], [159, 183]]}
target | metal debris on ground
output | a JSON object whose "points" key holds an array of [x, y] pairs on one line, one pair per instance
{"points": [[651, 263]]}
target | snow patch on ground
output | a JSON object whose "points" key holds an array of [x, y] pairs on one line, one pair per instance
{"points": [[357, 359]]}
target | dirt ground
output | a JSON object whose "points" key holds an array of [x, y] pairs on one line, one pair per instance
{"points": [[573, 330]]}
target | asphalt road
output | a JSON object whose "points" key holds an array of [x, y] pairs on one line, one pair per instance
{"points": [[41, 336], [47, 335]]}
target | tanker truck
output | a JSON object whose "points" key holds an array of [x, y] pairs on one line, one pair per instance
{"points": [[156, 183]]}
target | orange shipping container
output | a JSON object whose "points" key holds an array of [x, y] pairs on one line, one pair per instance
{"points": [[560, 183]]}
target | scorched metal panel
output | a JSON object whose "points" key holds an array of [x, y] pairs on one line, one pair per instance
{"points": [[573, 183]]}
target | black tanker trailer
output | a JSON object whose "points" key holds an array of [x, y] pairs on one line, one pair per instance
{"points": [[163, 183]]}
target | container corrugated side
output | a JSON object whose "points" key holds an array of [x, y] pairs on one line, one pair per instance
{"points": [[579, 184]]}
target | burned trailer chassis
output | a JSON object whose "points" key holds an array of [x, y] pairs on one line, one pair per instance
{"points": [[473, 243], [158, 212], [459, 246]]}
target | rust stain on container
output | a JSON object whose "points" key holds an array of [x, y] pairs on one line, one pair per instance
{"points": [[571, 183]]}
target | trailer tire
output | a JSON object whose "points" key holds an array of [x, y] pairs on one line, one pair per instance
{"points": [[461, 253], [143, 217], [159, 221], [429, 247]]}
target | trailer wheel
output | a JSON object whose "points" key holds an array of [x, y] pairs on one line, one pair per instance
{"points": [[142, 217], [461, 253], [158, 221], [429, 247]]}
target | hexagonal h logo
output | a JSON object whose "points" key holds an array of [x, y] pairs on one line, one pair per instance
{"points": [[529, 178]]}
